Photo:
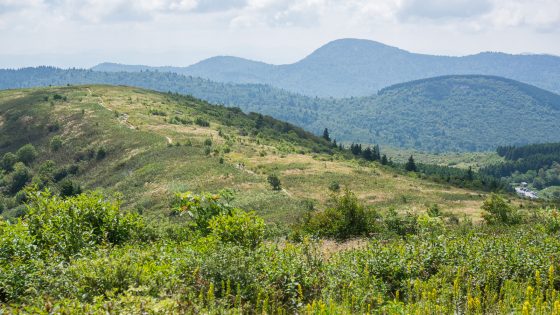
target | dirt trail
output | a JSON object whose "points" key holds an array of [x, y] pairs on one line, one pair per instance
{"points": [[101, 102], [287, 193], [169, 140], [123, 118]]}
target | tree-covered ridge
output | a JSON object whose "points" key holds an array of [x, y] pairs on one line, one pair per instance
{"points": [[453, 113], [525, 158], [353, 67], [464, 113], [514, 153], [441, 87]]}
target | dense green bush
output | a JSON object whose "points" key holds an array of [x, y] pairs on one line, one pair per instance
{"points": [[240, 227], [498, 211], [67, 226], [18, 178], [18, 260], [68, 188], [56, 143], [274, 181], [346, 218], [27, 154], [8, 161], [202, 208], [401, 225]]}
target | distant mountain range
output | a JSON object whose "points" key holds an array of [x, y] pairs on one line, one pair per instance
{"points": [[354, 67], [449, 113]]}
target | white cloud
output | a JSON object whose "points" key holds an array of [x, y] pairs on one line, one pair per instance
{"points": [[443, 9], [184, 31], [280, 13], [541, 15]]}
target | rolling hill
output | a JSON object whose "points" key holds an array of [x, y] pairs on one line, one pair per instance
{"points": [[458, 113], [449, 113], [150, 145], [353, 67]]}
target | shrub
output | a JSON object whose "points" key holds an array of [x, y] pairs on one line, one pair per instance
{"points": [[346, 218], [67, 226], [334, 186], [68, 188], [60, 174], [241, 228], [401, 225], [550, 219], [53, 127], [45, 172], [56, 143], [17, 252], [19, 177], [26, 154], [498, 211], [101, 153], [8, 161], [434, 211], [201, 122], [21, 197], [274, 182], [202, 208]]}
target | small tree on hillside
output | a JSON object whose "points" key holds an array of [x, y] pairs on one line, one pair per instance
{"points": [[326, 135], [27, 154], [274, 181], [384, 160], [410, 165]]}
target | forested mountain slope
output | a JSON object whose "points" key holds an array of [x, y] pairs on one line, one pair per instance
{"points": [[451, 113], [353, 67], [464, 113]]}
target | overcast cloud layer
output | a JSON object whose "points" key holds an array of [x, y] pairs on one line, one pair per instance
{"points": [[180, 32]]}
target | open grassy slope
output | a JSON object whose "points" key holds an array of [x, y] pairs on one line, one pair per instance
{"points": [[151, 156]]}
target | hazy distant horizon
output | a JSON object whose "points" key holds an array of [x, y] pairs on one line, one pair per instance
{"points": [[73, 61]]}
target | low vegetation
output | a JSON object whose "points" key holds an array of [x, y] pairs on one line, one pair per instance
{"points": [[83, 254]]}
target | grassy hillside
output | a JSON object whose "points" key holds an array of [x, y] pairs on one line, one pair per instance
{"points": [[155, 148], [353, 67]]}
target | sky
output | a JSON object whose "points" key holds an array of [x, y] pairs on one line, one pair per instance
{"points": [[68, 33]]}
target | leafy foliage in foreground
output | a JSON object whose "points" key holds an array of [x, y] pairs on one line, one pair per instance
{"points": [[433, 269]]}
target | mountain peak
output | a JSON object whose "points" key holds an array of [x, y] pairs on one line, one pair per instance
{"points": [[353, 48]]}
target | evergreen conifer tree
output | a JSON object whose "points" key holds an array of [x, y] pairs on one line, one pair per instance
{"points": [[410, 165]]}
